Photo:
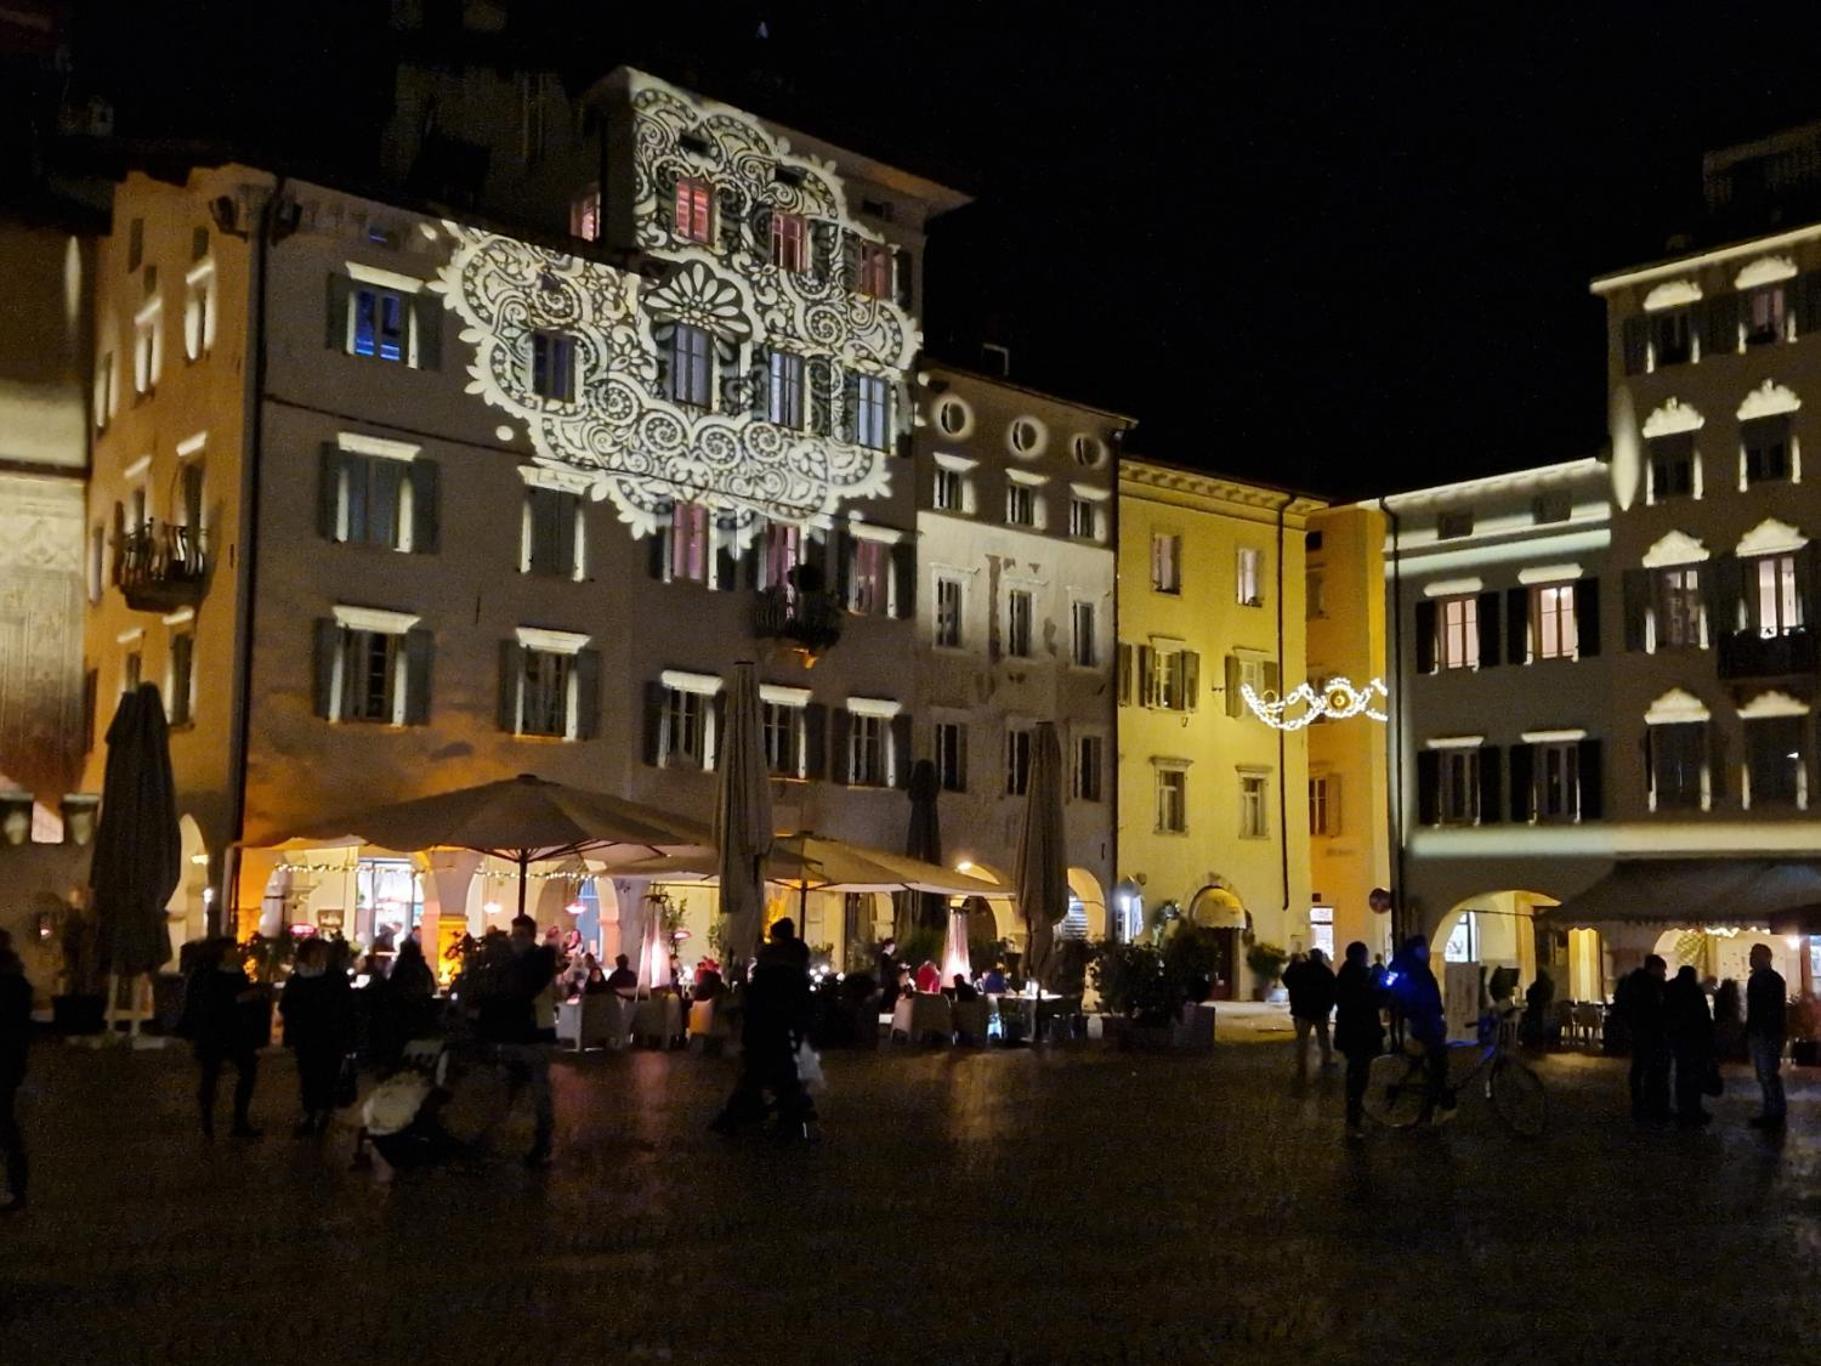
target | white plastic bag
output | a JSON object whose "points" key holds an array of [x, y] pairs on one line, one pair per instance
{"points": [[809, 1069]]}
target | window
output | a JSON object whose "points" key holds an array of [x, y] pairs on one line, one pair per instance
{"points": [[180, 688], [784, 399], [953, 416], [1458, 786], [552, 539], [691, 366], [380, 324], [1084, 649], [379, 501], [946, 494], [1552, 609], [1452, 526], [1671, 338], [104, 391], [1777, 602], [1678, 761], [1548, 508], [388, 899], [1767, 446], [1764, 317], [1026, 436], [148, 350], [1457, 624], [789, 242], [135, 244], [872, 411], [1089, 450], [951, 756], [1174, 680], [1315, 594], [870, 581], [694, 211], [1672, 466], [1249, 594], [1020, 505], [546, 699], [1324, 805], [371, 676], [1679, 608], [1556, 782], [783, 553], [1172, 801], [1083, 521], [199, 311], [1254, 817], [1166, 563], [1019, 610], [690, 543], [873, 270], [1088, 781], [1773, 756], [948, 613], [687, 717], [585, 215], [867, 750], [786, 748], [1017, 761], [553, 366]]}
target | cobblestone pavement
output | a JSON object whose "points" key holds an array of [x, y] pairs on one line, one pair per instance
{"points": [[1067, 1206]]}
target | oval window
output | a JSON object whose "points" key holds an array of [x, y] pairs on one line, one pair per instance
{"points": [[953, 417], [1027, 436], [1089, 450]]}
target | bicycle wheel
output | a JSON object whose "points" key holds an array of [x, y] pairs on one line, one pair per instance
{"points": [[1519, 1098], [1395, 1090]]}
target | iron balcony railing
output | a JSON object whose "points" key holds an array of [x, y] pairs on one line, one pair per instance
{"points": [[812, 620], [1748, 655], [159, 567]]}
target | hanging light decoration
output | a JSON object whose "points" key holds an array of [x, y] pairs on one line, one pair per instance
{"points": [[1339, 700]]}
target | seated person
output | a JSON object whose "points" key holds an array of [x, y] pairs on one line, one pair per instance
{"points": [[929, 978], [993, 983], [623, 979], [964, 990], [708, 984], [594, 980]]}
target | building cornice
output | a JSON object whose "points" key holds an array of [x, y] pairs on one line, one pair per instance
{"points": [[1751, 246], [1150, 476]]}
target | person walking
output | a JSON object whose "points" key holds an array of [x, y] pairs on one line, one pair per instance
{"points": [[1310, 984], [508, 1020], [1639, 1001], [1535, 1029], [1359, 1034], [220, 1018], [1689, 1029], [1766, 999], [317, 1007], [1418, 998], [15, 1043], [771, 1031]]}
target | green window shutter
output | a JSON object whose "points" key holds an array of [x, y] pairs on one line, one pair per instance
{"points": [[426, 515], [420, 654], [1592, 777], [1236, 702], [1492, 785], [587, 694]]}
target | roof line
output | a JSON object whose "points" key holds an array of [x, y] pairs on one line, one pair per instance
{"points": [[933, 362], [1603, 284]]}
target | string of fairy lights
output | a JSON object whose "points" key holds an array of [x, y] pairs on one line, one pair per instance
{"points": [[1339, 699]]}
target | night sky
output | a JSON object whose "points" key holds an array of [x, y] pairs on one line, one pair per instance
{"points": [[1344, 251]]}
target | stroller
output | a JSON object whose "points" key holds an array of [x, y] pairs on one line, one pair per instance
{"points": [[400, 1118]]}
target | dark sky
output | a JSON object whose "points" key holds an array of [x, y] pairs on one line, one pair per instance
{"points": [[1345, 248]]}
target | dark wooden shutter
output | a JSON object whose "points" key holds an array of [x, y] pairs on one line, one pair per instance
{"points": [[1808, 304], [1593, 780], [815, 741], [1191, 679], [337, 308], [328, 642], [1806, 584], [328, 491], [657, 553], [760, 402], [426, 513], [1517, 625], [1634, 334], [1716, 763], [1522, 764], [429, 311], [1720, 325], [1147, 676], [904, 578], [904, 271], [901, 749], [1637, 589], [1428, 786], [824, 248], [1236, 704], [1587, 617], [1723, 580], [1122, 673], [587, 694], [839, 767], [1492, 785], [1487, 614], [726, 559], [652, 726], [1425, 636], [420, 656], [512, 668], [840, 564]]}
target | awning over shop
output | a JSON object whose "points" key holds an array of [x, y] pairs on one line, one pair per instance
{"points": [[1780, 894], [1216, 908]]}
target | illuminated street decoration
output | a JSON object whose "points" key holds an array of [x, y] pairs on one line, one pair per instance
{"points": [[1339, 700], [644, 449]]}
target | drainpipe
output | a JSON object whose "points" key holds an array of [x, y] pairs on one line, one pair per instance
{"points": [[1395, 798], [1283, 783]]}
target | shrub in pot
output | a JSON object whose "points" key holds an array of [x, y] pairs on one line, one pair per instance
{"points": [[1267, 964]]}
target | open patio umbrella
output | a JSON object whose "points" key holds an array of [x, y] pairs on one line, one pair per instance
{"points": [[1042, 871], [524, 820], [742, 825], [138, 849], [924, 840], [806, 862]]}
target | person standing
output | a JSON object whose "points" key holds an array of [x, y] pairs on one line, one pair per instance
{"points": [[317, 1007], [509, 1021], [220, 1018], [15, 1043], [771, 1030], [1766, 999], [1311, 1002], [1359, 1034], [1418, 997], [1640, 1006], [1690, 1032]]}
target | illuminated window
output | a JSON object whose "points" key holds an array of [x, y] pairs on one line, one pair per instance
{"points": [[1552, 609], [872, 411], [1679, 608], [1458, 786], [372, 676], [1166, 563], [1457, 644], [148, 350], [1777, 600], [1020, 505], [585, 215], [1084, 641], [553, 366], [1172, 801], [952, 416], [1019, 609], [380, 324], [105, 393], [690, 543], [1249, 593], [1764, 316], [1767, 443], [789, 242], [786, 743], [694, 211], [948, 613], [1254, 817], [1017, 761], [784, 398], [199, 312], [691, 366], [1555, 777], [873, 270], [951, 756], [388, 899], [1175, 678], [870, 578], [1088, 782], [783, 552]]}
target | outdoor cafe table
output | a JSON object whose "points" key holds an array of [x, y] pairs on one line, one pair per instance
{"points": [[920, 1014], [659, 1018], [1030, 1017]]}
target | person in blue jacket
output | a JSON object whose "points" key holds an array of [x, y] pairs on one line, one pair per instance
{"points": [[1419, 999]]}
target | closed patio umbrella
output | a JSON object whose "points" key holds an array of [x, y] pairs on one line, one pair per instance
{"points": [[742, 819], [1042, 870], [138, 850], [925, 839]]}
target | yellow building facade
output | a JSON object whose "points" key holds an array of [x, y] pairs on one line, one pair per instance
{"points": [[1213, 819]]}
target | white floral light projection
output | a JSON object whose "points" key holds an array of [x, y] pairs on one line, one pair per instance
{"points": [[645, 449], [1339, 700]]}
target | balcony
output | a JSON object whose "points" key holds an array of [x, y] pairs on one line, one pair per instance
{"points": [[810, 620], [159, 567], [1748, 656]]}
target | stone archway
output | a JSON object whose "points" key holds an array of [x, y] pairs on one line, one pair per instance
{"points": [[1085, 891], [1497, 929], [1216, 907]]}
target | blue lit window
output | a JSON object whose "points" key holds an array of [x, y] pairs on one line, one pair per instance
{"points": [[380, 322], [553, 366]]}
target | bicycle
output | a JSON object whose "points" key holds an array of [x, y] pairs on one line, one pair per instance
{"points": [[1398, 1090]]}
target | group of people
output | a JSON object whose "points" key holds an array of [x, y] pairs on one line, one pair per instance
{"points": [[1671, 1024], [898, 978]]}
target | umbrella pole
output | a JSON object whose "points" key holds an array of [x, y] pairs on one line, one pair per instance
{"points": [[524, 863]]}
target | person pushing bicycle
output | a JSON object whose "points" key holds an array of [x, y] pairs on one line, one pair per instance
{"points": [[1419, 998]]}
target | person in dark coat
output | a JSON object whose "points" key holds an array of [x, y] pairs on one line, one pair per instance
{"points": [[508, 1019], [887, 969], [1358, 1032], [221, 1020], [15, 1043], [412, 993], [1537, 1000], [1766, 1000], [623, 979], [1310, 984], [317, 1007], [771, 1030], [1418, 996], [1729, 1022], [1689, 1029], [1639, 1001]]}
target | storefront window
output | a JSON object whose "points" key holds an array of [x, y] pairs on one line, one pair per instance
{"points": [[388, 899]]}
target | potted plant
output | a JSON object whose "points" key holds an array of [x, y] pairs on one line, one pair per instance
{"points": [[81, 1008], [1266, 962]]}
